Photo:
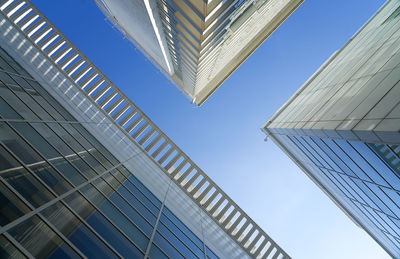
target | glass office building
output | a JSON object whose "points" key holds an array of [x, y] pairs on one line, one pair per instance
{"points": [[197, 44], [85, 173], [342, 127]]}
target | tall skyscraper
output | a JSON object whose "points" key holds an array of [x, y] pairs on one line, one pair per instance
{"points": [[342, 127], [85, 173], [197, 43]]}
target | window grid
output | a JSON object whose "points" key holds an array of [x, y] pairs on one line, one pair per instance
{"points": [[109, 172], [375, 203]]}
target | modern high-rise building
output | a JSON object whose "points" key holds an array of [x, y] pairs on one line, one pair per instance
{"points": [[197, 43], [342, 127], [85, 173]]}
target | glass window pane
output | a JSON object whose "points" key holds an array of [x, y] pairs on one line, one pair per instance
{"points": [[183, 228], [52, 138], [210, 254], [137, 204], [36, 237], [86, 135], [8, 250], [68, 171], [71, 227], [51, 177], [156, 253], [16, 103], [102, 226], [166, 247], [116, 216], [132, 214], [6, 160], [35, 139], [11, 207], [178, 244], [51, 100], [7, 112], [174, 229], [64, 135], [17, 145]]}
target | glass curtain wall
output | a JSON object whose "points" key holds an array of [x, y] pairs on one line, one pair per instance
{"points": [[64, 195], [367, 176]]}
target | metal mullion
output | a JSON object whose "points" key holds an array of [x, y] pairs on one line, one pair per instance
{"points": [[123, 213], [15, 74], [83, 222], [176, 238], [116, 191], [383, 229], [365, 181], [389, 216], [144, 205], [384, 162], [146, 255], [154, 244], [182, 232], [34, 100], [105, 158], [384, 203], [388, 207], [32, 208], [45, 159], [141, 193], [18, 246], [51, 202], [61, 236], [28, 169], [109, 220]]}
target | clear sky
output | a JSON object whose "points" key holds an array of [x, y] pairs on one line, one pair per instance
{"points": [[223, 136]]}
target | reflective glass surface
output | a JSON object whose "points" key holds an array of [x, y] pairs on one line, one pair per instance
{"points": [[363, 175], [64, 195]]}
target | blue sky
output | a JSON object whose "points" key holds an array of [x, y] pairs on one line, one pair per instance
{"points": [[223, 136]]}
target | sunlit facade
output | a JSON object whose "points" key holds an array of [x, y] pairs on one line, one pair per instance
{"points": [[342, 127], [196, 43], [85, 173]]}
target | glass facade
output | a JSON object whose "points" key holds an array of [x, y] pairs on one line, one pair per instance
{"points": [[64, 195], [364, 177]]}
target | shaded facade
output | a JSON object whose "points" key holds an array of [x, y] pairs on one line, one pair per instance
{"points": [[196, 43], [342, 127], [85, 173]]}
